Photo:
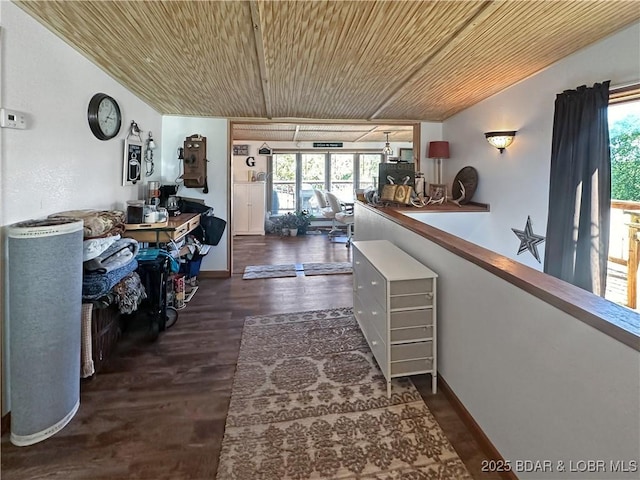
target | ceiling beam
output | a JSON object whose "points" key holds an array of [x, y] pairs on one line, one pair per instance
{"points": [[264, 74], [483, 13], [365, 134]]}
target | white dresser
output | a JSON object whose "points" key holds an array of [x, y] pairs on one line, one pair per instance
{"points": [[394, 301]]}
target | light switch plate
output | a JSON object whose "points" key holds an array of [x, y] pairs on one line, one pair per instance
{"points": [[12, 119]]}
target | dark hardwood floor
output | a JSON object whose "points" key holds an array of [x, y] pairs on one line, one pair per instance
{"points": [[158, 409]]}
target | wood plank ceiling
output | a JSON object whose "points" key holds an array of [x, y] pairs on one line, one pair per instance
{"points": [[371, 61]]}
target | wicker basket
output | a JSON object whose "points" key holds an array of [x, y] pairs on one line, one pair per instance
{"points": [[105, 332]]}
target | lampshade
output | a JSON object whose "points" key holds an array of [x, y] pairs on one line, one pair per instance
{"points": [[438, 149], [500, 140]]}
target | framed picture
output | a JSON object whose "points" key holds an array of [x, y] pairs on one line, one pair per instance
{"points": [[132, 164], [406, 155], [241, 150], [437, 191]]}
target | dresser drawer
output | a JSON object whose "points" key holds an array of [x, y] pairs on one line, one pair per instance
{"points": [[422, 300], [379, 349], [367, 277], [372, 313], [412, 367], [411, 351], [412, 318], [401, 287], [411, 334]]}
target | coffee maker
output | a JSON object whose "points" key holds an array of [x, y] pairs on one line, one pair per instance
{"points": [[169, 199], [172, 206]]}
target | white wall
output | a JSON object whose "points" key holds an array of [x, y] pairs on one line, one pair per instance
{"points": [[516, 183], [175, 129], [57, 164], [541, 384]]}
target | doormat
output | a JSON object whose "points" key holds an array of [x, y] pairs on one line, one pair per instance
{"points": [[253, 272], [327, 268], [309, 401]]}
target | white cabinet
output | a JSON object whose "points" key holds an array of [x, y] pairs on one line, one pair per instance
{"points": [[394, 302], [248, 208]]}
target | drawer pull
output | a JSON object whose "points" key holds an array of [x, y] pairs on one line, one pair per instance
{"points": [[374, 313], [357, 262], [359, 287], [374, 342], [373, 282]]}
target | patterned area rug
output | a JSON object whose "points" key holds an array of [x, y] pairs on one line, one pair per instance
{"points": [[309, 402], [253, 272]]}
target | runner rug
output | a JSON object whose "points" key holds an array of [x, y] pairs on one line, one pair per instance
{"points": [[309, 402], [252, 272]]}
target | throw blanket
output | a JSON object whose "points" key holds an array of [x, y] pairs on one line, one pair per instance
{"points": [[95, 246], [117, 255], [97, 223], [129, 292], [95, 285]]}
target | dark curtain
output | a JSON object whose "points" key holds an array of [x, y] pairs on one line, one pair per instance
{"points": [[577, 242]]}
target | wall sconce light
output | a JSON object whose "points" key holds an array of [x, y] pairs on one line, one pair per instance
{"points": [[387, 150], [500, 140], [438, 150]]}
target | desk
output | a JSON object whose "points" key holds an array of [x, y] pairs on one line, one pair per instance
{"points": [[176, 228]]}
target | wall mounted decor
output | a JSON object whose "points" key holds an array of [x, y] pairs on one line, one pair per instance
{"points": [[195, 162], [265, 150], [464, 185], [241, 149], [528, 240], [132, 161], [104, 116]]}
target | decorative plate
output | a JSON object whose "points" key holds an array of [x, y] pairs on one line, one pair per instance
{"points": [[469, 178]]}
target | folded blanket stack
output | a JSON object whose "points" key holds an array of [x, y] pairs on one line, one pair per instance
{"points": [[109, 260], [95, 285], [117, 255]]}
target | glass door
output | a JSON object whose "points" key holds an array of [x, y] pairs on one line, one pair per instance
{"points": [[283, 197]]}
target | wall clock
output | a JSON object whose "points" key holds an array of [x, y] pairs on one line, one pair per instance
{"points": [[104, 116]]}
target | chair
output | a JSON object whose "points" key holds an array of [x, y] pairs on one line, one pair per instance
{"points": [[325, 210], [341, 215]]}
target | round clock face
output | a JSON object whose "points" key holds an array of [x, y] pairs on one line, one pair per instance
{"points": [[104, 116]]}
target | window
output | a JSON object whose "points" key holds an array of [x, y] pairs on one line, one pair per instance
{"points": [[294, 176], [624, 137], [342, 175], [313, 176]]}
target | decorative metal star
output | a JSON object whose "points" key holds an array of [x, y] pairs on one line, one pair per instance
{"points": [[529, 240]]}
